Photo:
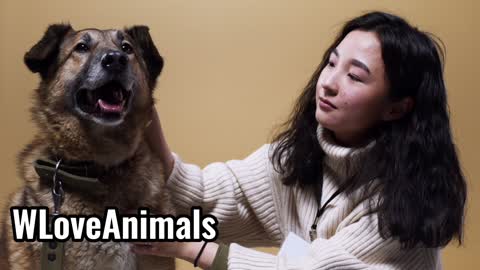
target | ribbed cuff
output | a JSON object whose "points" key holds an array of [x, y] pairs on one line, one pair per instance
{"points": [[185, 182], [245, 258], [177, 161], [220, 262]]}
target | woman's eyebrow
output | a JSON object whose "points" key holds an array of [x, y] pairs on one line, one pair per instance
{"points": [[335, 52], [361, 65], [355, 62]]}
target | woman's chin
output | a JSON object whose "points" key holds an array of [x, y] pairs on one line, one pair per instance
{"points": [[323, 119]]}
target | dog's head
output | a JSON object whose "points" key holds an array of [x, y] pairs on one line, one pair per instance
{"points": [[95, 94]]}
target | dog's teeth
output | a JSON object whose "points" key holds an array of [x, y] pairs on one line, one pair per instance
{"points": [[118, 95]]}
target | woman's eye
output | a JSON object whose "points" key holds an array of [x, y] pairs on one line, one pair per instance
{"points": [[354, 77], [127, 48], [81, 47], [331, 64]]}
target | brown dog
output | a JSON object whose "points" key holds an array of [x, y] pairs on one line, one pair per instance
{"points": [[92, 105]]}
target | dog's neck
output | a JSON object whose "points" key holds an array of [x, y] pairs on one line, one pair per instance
{"points": [[82, 177], [81, 168], [66, 159]]}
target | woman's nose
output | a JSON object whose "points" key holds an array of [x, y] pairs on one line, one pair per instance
{"points": [[329, 84]]}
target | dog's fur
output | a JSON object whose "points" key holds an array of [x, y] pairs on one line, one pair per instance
{"points": [[133, 173]]}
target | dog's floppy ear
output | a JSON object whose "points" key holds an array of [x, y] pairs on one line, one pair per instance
{"points": [[43, 54], [148, 51]]}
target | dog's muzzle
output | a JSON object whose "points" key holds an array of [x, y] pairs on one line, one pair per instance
{"points": [[110, 98], [106, 103]]}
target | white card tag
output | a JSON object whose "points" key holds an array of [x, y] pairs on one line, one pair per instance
{"points": [[294, 247]]}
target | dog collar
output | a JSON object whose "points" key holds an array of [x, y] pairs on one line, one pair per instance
{"points": [[78, 176]]}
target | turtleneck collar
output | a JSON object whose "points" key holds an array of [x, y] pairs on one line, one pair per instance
{"points": [[343, 161]]}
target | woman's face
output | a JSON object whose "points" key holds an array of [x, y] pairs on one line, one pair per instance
{"points": [[352, 89]]}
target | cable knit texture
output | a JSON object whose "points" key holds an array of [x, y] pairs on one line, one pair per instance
{"points": [[254, 208]]}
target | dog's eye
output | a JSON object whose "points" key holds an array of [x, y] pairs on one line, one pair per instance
{"points": [[81, 47], [127, 48]]}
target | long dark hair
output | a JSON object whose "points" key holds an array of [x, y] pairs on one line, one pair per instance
{"points": [[422, 190]]}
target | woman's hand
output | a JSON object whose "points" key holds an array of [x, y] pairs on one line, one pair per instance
{"points": [[187, 251], [157, 142]]}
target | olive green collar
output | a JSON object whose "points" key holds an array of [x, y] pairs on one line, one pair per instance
{"points": [[81, 176]]}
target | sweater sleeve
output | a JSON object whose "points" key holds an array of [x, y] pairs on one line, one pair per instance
{"points": [[237, 193], [356, 246]]}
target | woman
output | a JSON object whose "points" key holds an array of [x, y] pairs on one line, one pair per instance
{"points": [[365, 169]]}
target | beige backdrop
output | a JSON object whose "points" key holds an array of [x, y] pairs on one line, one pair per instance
{"points": [[233, 69]]}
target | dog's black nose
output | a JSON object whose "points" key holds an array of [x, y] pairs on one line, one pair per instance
{"points": [[114, 61]]}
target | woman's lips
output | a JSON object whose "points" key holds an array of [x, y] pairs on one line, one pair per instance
{"points": [[326, 105]]}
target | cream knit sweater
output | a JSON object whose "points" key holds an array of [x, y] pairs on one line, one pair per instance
{"points": [[254, 208]]}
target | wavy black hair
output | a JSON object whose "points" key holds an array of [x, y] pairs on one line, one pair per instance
{"points": [[422, 190]]}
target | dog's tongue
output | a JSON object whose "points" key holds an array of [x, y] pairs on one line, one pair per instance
{"points": [[110, 108]]}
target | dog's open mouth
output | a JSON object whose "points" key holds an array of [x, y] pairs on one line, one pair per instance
{"points": [[106, 104]]}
